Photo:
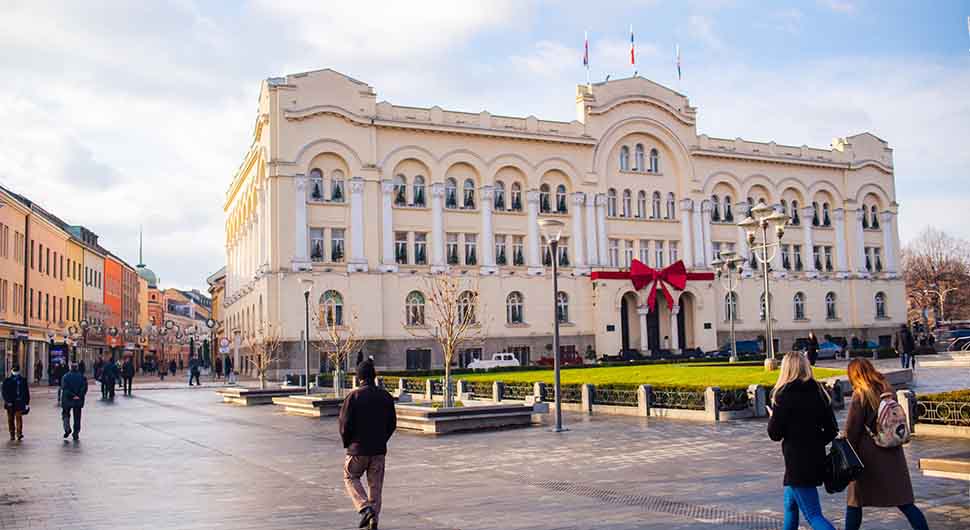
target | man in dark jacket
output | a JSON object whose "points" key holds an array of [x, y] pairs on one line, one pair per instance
{"points": [[811, 349], [227, 367], [109, 379], [74, 387], [16, 401], [367, 420], [127, 375], [38, 371], [81, 367], [905, 345], [194, 370]]}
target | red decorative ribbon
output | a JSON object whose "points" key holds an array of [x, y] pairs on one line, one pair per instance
{"points": [[675, 275]]}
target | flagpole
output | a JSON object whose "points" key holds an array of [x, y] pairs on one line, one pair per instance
{"points": [[586, 57], [633, 55]]}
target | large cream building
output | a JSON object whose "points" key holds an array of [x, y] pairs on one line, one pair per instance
{"points": [[367, 198]]}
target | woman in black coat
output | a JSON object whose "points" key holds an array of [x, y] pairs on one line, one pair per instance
{"points": [[803, 420]]}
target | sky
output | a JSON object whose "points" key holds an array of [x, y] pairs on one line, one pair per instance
{"points": [[117, 115]]}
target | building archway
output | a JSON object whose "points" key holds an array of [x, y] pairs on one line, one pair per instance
{"points": [[629, 323], [685, 321]]}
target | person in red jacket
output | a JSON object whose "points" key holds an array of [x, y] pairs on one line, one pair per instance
{"points": [[367, 421]]}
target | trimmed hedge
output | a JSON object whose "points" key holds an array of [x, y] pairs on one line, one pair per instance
{"points": [[961, 396]]}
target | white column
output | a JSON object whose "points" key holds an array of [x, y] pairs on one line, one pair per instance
{"points": [[860, 242], [437, 228], [741, 210], [301, 242], [388, 263], [591, 247], [841, 258], [674, 329], [579, 254], [888, 240], [698, 235], [808, 255], [358, 261], [262, 220], [644, 330], [706, 207], [488, 231], [535, 261], [686, 242], [601, 239]]}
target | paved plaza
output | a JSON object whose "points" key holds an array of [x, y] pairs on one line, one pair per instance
{"points": [[174, 457]]}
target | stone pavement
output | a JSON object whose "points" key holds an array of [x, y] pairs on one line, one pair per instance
{"points": [[181, 459]]}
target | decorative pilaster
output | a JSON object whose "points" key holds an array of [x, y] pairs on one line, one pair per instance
{"points": [[742, 210], [808, 250], [438, 228], [591, 247], [686, 242], [358, 261], [601, 238], [888, 239], [301, 242], [488, 231], [841, 258], [706, 207], [388, 263], [860, 243], [642, 311], [535, 262], [579, 255], [698, 236], [674, 329]]}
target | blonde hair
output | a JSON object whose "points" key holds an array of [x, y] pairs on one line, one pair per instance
{"points": [[867, 381], [794, 367]]}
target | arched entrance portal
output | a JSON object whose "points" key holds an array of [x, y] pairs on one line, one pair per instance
{"points": [[685, 321], [629, 323]]}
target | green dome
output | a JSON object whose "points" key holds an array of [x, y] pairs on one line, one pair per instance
{"points": [[148, 275]]}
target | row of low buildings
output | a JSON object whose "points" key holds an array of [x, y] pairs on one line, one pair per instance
{"points": [[63, 295], [366, 198]]}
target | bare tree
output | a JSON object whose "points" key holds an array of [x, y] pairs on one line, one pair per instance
{"points": [[933, 264], [337, 339], [452, 320], [264, 346]]}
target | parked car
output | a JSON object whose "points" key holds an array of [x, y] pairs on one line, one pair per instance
{"points": [[829, 350], [623, 356], [566, 358], [952, 340], [745, 347], [497, 360]]}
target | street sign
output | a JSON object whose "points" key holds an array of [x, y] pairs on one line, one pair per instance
{"points": [[224, 345]]}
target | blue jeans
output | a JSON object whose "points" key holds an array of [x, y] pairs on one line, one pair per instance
{"points": [[853, 517], [806, 499]]}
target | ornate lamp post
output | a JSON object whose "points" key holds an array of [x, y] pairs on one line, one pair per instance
{"points": [[307, 284], [765, 219], [941, 294], [211, 324], [552, 231], [728, 269]]}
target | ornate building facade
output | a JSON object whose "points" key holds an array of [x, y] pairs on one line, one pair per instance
{"points": [[367, 198]]}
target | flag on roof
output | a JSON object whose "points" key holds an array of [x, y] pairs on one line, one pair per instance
{"points": [[633, 57]]}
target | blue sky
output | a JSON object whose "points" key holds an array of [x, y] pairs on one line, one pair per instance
{"points": [[118, 114]]}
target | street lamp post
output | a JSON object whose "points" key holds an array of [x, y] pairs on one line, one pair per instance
{"points": [[941, 294], [726, 266], [211, 324], [765, 217], [552, 231], [307, 288]]}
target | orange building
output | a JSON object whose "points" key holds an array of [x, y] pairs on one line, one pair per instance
{"points": [[113, 295]]}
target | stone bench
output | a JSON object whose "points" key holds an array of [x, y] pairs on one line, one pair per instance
{"points": [[954, 466], [316, 405], [428, 420], [251, 396]]}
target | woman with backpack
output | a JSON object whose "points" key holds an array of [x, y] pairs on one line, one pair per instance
{"points": [[877, 430], [803, 420]]}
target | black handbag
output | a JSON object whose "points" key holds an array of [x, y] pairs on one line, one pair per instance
{"points": [[842, 466]]}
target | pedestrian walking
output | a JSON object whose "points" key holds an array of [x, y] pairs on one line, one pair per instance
{"points": [[905, 345], [227, 367], [38, 371], [172, 366], [75, 387], [803, 420], [181, 366], [162, 370], [128, 375], [885, 480], [98, 368], [194, 371], [811, 349], [367, 421], [57, 372], [109, 379], [81, 367], [218, 367], [16, 401]]}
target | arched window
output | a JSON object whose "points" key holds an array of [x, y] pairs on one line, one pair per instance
{"points": [[414, 308], [731, 306], [316, 184], [513, 308], [799, 302], [466, 307], [400, 191], [715, 208], [654, 161], [611, 202], [337, 186], [655, 207], [499, 195], [795, 219], [469, 194], [624, 158], [880, 305], [826, 220], [815, 214], [639, 158], [728, 213], [562, 307], [641, 204], [451, 193], [784, 207], [418, 191], [671, 206], [332, 308], [831, 312], [544, 205], [875, 217], [627, 203], [561, 199], [515, 200]]}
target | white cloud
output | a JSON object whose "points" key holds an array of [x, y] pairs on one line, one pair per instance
{"points": [[840, 6], [701, 28]]}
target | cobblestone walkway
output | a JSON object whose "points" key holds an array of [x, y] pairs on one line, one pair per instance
{"points": [[178, 458]]}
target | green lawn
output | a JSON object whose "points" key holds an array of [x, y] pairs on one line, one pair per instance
{"points": [[661, 375]]}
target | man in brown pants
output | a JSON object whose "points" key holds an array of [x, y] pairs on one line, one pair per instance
{"points": [[367, 420]]}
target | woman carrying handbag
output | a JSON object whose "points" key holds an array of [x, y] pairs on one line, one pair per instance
{"points": [[802, 419], [873, 428]]}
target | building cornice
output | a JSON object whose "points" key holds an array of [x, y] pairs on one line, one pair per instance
{"points": [[776, 159]]}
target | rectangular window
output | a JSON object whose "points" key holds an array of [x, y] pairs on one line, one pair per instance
{"points": [[31, 255], [337, 188], [563, 250], [47, 267], [877, 259], [659, 253], [452, 248], [47, 307], [716, 250], [828, 258], [644, 252], [31, 310], [401, 248], [797, 255], [786, 257], [337, 245], [471, 246], [500, 257], [62, 267], [518, 251], [674, 256], [817, 257], [627, 253], [420, 248], [317, 245], [614, 252]]}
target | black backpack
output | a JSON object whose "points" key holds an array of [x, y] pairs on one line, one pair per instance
{"points": [[842, 466]]}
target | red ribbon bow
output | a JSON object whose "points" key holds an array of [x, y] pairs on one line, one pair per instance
{"points": [[675, 275]]}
